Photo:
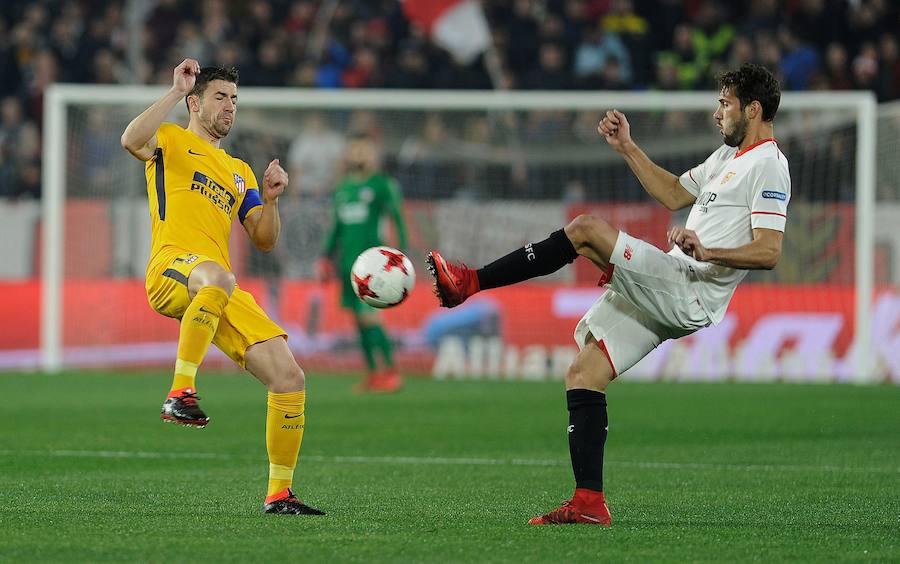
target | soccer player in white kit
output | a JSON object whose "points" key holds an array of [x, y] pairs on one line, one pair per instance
{"points": [[739, 197]]}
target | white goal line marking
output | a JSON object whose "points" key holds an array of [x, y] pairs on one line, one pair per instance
{"points": [[449, 461]]}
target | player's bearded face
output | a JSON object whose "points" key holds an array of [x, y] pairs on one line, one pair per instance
{"points": [[218, 108], [732, 120], [735, 130]]}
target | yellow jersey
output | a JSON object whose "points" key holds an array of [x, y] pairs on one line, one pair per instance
{"points": [[195, 192]]}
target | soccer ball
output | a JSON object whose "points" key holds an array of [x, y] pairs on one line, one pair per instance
{"points": [[382, 277]]}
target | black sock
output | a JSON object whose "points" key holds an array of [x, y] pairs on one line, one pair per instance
{"points": [[587, 436], [534, 259]]}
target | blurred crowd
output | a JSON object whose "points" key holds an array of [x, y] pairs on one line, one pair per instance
{"points": [[540, 44]]}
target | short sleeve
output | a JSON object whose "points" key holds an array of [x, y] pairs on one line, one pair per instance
{"points": [[694, 179], [688, 180], [252, 199], [163, 136], [769, 197], [250, 178], [250, 203]]}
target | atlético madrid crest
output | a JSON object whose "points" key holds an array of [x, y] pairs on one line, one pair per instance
{"points": [[239, 182]]}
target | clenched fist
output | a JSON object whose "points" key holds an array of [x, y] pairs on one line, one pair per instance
{"points": [[275, 180], [185, 76], [615, 129]]}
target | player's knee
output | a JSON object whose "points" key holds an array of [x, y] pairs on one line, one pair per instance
{"points": [[211, 274], [586, 228], [224, 279], [295, 377], [579, 377], [287, 378]]}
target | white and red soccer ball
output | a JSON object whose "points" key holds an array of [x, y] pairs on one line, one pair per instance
{"points": [[382, 277]]}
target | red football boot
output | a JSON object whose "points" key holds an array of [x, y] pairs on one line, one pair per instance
{"points": [[286, 503], [586, 506], [181, 408], [453, 283]]}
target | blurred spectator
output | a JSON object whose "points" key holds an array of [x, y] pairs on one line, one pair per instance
{"points": [[889, 69], [97, 150], [370, 44], [865, 68], [865, 22], [10, 75], [19, 150], [425, 159], [551, 73], [521, 29], [191, 39], [334, 60], [667, 75], [410, 70], [575, 22], [477, 150], [547, 127], [314, 156], [300, 17], [217, 27], [712, 36], [269, 69], [593, 55], [43, 72], [304, 76], [798, 63], [66, 44], [837, 70], [741, 52], [763, 17], [818, 22], [683, 58], [162, 25], [613, 76], [768, 53], [366, 122], [364, 70], [540, 44], [258, 25], [634, 30]]}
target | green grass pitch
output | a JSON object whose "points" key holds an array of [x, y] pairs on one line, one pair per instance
{"points": [[448, 472]]}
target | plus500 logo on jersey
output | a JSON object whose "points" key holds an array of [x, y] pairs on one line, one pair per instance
{"points": [[705, 199], [771, 195]]}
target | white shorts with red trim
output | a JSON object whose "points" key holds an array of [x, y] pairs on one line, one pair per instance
{"points": [[650, 298]]}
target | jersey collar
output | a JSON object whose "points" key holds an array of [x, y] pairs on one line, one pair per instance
{"points": [[755, 145]]}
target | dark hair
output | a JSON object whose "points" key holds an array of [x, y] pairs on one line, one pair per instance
{"points": [[207, 75], [754, 82]]}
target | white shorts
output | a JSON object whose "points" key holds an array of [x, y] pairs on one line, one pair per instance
{"points": [[650, 299]]}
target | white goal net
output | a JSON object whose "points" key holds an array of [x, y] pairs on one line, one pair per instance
{"points": [[481, 174]]}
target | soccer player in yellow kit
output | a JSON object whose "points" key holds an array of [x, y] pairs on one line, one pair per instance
{"points": [[196, 190]]}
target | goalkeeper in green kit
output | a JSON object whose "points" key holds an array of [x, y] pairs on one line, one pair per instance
{"points": [[362, 199]]}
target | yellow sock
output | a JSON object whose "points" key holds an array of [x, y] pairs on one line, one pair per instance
{"points": [[285, 419], [198, 326]]}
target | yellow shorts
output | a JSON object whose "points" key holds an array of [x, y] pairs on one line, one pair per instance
{"points": [[242, 324]]}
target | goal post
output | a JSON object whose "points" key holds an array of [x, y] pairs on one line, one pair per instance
{"points": [[531, 130]]}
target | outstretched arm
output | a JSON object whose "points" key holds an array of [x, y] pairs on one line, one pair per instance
{"points": [[139, 138], [265, 226], [657, 181], [760, 254]]}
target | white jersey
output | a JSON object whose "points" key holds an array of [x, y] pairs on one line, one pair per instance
{"points": [[737, 191]]}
